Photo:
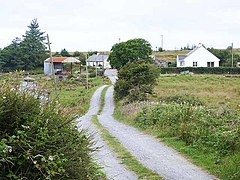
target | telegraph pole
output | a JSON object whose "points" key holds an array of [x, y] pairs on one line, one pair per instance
{"points": [[87, 70], [53, 73], [162, 41], [232, 54]]}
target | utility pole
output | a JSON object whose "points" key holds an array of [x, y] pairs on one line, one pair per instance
{"points": [[162, 41], [53, 73], [119, 40], [96, 69], [232, 54], [87, 70]]}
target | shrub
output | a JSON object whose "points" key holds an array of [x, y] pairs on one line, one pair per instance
{"points": [[92, 74], [37, 142], [201, 70], [194, 125], [135, 81]]}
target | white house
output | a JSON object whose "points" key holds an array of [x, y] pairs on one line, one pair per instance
{"points": [[198, 57], [98, 59]]}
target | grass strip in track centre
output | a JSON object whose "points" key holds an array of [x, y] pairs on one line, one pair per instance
{"points": [[102, 99], [126, 157]]}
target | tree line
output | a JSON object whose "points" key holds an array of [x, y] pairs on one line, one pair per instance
{"points": [[225, 56], [27, 53], [30, 52]]}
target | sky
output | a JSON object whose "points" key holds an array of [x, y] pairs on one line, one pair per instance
{"points": [[96, 25]]}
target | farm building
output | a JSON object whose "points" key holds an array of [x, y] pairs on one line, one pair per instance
{"points": [[99, 60], [57, 64], [198, 57], [159, 62]]}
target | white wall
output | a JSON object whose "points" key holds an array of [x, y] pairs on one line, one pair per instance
{"points": [[47, 68], [201, 56], [106, 64]]}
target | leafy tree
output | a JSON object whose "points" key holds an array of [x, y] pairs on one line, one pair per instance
{"points": [[57, 54], [135, 81], [82, 58], [76, 54], [225, 56], [160, 49], [65, 53], [10, 56], [90, 53], [33, 47], [134, 49]]}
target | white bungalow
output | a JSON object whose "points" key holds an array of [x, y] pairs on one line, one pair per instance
{"points": [[98, 60], [198, 57]]}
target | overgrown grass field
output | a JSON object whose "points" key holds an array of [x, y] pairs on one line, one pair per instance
{"points": [[72, 94], [215, 91], [197, 115]]}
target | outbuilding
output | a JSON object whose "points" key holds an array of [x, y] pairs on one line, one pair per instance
{"points": [[57, 64]]}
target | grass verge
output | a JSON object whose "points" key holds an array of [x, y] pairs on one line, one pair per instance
{"points": [[126, 157], [224, 167], [102, 99]]}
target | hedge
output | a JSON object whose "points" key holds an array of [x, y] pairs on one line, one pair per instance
{"points": [[201, 70]]}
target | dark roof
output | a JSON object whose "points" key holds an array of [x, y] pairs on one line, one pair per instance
{"points": [[182, 57]]}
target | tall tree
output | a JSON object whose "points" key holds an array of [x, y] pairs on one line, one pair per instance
{"points": [[82, 58], [64, 53], [33, 47], [132, 50], [10, 56]]}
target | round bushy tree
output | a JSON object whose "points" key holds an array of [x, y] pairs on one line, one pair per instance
{"points": [[131, 50]]}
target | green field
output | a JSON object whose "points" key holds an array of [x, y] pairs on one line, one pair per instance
{"points": [[198, 115], [215, 91], [73, 96]]}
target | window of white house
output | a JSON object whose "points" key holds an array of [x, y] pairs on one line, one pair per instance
{"points": [[181, 63], [194, 64], [210, 64]]}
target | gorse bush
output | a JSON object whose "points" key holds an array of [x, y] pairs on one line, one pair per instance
{"points": [[195, 126], [38, 142]]}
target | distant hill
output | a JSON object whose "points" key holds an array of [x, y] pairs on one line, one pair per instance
{"points": [[169, 56]]}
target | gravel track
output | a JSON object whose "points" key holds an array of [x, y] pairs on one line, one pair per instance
{"points": [[104, 156], [148, 150]]}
